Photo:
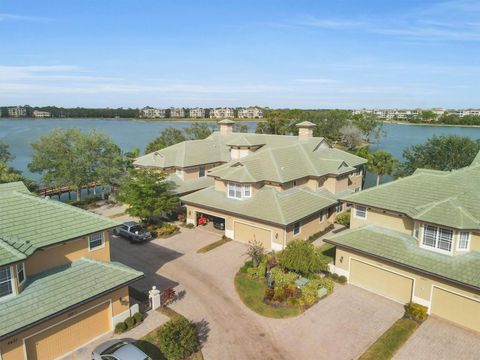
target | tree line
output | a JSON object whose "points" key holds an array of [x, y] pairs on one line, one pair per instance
{"points": [[79, 112]]}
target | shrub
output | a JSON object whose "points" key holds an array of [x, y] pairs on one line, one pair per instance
{"points": [[334, 276], [282, 278], [166, 229], [343, 218], [301, 257], [319, 234], [271, 261], [259, 271], [255, 251], [138, 317], [327, 284], [130, 322], [279, 295], [248, 264], [178, 338], [342, 279], [311, 288], [416, 311], [120, 328], [268, 294]]}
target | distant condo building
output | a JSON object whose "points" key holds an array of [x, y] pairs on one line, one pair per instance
{"points": [[17, 111], [151, 113], [404, 114], [222, 113], [465, 112], [196, 113], [250, 113], [177, 112], [41, 114]]}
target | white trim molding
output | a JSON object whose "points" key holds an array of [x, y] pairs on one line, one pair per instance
{"points": [[229, 233]]}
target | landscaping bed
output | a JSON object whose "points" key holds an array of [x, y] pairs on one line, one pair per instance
{"points": [[214, 245]]}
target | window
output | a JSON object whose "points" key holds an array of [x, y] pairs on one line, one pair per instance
{"points": [[463, 240], [239, 191], [201, 171], [438, 238], [323, 215], [6, 287], [296, 228], [95, 241], [361, 212], [294, 183], [339, 208], [20, 273]]}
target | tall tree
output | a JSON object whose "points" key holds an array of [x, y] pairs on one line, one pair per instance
{"points": [[147, 194], [351, 136], [446, 152], [5, 154], [381, 163], [370, 125], [198, 131], [169, 136]]}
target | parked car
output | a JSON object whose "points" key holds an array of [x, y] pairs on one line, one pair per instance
{"points": [[133, 231], [118, 350], [219, 223]]}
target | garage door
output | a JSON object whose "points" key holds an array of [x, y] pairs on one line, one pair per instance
{"points": [[380, 281], [456, 308], [246, 233], [69, 335]]}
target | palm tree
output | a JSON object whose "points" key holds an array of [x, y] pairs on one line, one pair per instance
{"points": [[381, 163]]}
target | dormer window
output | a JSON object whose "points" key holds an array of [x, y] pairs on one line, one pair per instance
{"points": [[239, 191], [437, 238], [6, 286], [463, 240], [21, 273]]}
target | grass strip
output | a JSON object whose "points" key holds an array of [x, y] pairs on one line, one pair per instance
{"points": [[213, 245], [391, 340]]}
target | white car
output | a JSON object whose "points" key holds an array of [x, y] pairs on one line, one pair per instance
{"points": [[118, 350]]}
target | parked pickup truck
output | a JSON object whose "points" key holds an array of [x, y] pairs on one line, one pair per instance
{"points": [[133, 231]]}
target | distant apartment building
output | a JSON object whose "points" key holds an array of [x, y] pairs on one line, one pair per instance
{"points": [[390, 114], [222, 113], [465, 112], [151, 113], [196, 113], [41, 114], [17, 111], [177, 112], [250, 113]]}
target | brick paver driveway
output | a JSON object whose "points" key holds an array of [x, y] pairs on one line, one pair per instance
{"points": [[441, 340], [341, 326]]}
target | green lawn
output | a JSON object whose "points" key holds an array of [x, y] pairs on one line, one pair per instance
{"points": [[251, 292], [213, 245], [328, 250], [391, 340]]}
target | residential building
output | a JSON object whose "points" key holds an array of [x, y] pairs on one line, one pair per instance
{"points": [[17, 111], [151, 113], [269, 188], [176, 112], [465, 112], [222, 113], [196, 113], [250, 113], [41, 114], [58, 288], [418, 239]]}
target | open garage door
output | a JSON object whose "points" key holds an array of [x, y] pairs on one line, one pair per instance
{"points": [[246, 233], [211, 222], [70, 334], [456, 308], [381, 281]]}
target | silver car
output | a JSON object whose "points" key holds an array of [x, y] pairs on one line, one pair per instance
{"points": [[133, 231], [118, 350]]}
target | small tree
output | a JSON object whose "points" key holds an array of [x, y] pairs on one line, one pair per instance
{"points": [[300, 256], [381, 163], [148, 194], [255, 251], [198, 131], [351, 136], [169, 136], [178, 338]]}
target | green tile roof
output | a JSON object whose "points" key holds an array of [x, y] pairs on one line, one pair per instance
{"points": [[267, 204], [58, 289], [288, 163], [441, 197], [186, 186], [29, 222], [403, 249]]}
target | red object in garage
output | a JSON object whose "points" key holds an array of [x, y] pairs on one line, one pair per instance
{"points": [[202, 220]]}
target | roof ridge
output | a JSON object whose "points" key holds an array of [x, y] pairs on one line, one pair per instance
{"points": [[4, 244], [310, 162], [277, 204]]}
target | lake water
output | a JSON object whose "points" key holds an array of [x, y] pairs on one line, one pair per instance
{"points": [[131, 133]]}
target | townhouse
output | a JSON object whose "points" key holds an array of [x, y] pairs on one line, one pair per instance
{"points": [[250, 113], [17, 111], [222, 113], [176, 112], [41, 114], [58, 288], [274, 188], [196, 113], [418, 239], [151, 113]]}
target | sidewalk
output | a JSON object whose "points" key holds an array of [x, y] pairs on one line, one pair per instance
{"points": [[153, 320]]}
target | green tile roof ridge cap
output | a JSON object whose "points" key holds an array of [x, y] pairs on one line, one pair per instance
{"points": [[69, 207], [279, 207], [111, 264]]}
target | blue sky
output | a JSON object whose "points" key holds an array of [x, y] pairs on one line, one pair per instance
{"points": [[277, 53]]}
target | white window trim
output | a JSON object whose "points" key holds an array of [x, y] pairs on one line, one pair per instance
{"points": [[242, 190], [12, 282], [468, 241], [299, 228], [361, 217], [435, 248], [97, 247], [24, 273]]}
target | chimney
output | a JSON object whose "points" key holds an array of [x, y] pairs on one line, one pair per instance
{"points": [[305, 130], [226, 126]]}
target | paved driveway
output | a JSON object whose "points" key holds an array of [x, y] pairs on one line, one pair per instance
{"points": [[441, 340], [341, 326]]}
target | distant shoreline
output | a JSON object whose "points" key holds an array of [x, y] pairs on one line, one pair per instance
{"points": [[429, 124], [133, 119]]}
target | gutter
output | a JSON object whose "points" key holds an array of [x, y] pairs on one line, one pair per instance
{"points": [[401, 264], [67, 309]]}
